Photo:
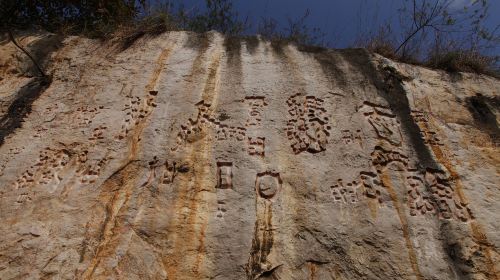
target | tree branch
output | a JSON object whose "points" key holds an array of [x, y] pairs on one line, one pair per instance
{"points": [[409, 37], [11, 37], [415, 13]]}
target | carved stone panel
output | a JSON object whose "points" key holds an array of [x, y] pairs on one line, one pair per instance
{"points": [[224, 175], [308, 126], [268, 184]]}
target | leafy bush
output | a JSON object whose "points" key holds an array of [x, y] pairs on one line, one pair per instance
{"points": [[99, 18], [92, 18]]}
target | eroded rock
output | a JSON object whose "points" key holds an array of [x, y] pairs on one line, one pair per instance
{"points": [[198, 157]]}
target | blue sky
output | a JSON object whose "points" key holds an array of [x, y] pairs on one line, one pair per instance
{"points": [[340, 20]]}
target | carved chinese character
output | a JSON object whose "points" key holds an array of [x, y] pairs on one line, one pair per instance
{"points": [[430, 137], [345, 193], [268, 184], [448, 202], [418, 200], [371, 184], [224, 175], [256, 146], [307, 127], [384, 122], [256, 105], [350, 137]]}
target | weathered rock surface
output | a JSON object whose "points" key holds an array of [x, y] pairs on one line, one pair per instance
{"points": [[198, 157]]}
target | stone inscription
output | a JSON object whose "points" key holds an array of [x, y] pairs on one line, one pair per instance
{"points": [[46, 170], [89, 173], [268, 184], [432, 192], [84, 115], [352, 137], [256, 146], [195, 128], [136, 110], [383, 121], [308, 131], [345, 193], [428, 191], [430, 137], [307, 127], [366, 186], [97, 134], [221, 208], [163, 173], [224, 175], [256, 106]]}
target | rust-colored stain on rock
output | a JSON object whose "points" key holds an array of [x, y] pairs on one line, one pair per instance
{"points": [[199, 156]]}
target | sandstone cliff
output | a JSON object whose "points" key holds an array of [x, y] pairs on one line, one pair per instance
{"points": [[191, 156]]}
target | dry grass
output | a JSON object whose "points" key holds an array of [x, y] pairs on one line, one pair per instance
{"points": [[448, 56], [451, 61], [150, 26], [384, 48], [463, 61]]}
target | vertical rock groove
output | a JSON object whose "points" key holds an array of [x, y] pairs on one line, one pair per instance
{"points": [[199, 156]]}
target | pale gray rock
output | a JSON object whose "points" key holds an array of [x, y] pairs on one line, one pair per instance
{"points": [[194, 156]]}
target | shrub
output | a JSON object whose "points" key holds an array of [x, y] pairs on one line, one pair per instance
{"points": [[463, 61], [153, 25], [297, 31], [219, 16], [91, 18]]}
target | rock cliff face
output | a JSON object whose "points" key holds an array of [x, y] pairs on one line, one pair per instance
{"points": [[193, 156]]}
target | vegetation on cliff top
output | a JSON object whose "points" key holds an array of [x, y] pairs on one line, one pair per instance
{"points": [[430, 33]]}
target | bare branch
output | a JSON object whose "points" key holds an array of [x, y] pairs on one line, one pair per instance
{"points": [[408, 38], [415, 13], [11, 37]]}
